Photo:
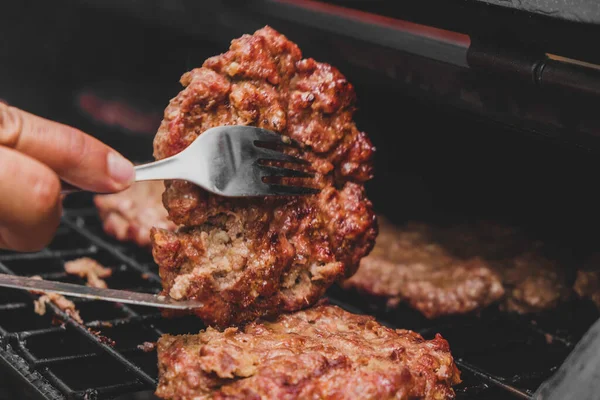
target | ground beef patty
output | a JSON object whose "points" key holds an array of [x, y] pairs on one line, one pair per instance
{"points": [[129, 215], [246, 258], [464, 268], [321, 353], [409, 264]]}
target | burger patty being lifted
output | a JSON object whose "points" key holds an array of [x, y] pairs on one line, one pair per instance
{"points": [[247, 258]]}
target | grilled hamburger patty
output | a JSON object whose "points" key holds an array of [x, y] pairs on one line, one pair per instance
{"points": [[245, 258], [130, 214], [323, 352], [443, 271], [410, 265]]}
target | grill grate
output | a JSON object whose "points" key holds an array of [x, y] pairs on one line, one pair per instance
{"points": [[499, 355]]}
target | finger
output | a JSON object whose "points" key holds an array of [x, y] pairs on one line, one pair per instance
{"points": [[30, 205], [78, 158]]}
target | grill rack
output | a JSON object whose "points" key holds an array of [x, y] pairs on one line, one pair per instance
{"points": [[500, 355]]}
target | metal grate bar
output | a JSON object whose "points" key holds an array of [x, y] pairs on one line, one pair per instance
{"points": [[123, 321], [13, 362], [50, 254], [12, 306], [113, 389], [62, 359], [493, 379], [111, 249], [79, 225], [143, 376], [26, 334]]}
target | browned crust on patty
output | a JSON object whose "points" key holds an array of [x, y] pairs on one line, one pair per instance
{"points": [[323, 352], [246, 258]]}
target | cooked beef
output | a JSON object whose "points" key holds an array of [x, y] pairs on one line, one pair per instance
{"points": [[129, 215], [533, 283], [245, 258], [320, 353], [533, 280], [66, 305], [587, 284], [90, 270], [410, 265], [147, 347], [442, 271]]}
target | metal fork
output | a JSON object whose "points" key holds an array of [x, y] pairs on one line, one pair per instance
{"points": [[226, 160]]}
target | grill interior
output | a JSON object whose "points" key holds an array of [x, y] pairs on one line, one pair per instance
{"points": [[52, 357], [467, 167]]}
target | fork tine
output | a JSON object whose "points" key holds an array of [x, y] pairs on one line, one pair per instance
{"points": [[274, 155], [264, 135], [270, 170]]}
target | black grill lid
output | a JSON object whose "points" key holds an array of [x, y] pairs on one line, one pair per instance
{"points": [[586, 11]]}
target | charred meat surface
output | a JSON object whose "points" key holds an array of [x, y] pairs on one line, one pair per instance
{"points": [[320, 353], [443, 271], [129, 215], [89, 269], [246, 258]]}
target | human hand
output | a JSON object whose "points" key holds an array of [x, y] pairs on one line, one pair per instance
{"points": [[34, 155]]}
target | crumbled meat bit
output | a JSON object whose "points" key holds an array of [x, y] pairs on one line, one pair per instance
{"points": [[147, 347], [90, 270], [246, 258], [441, 271], [320, 353], [102, 338], [129, 215], [66, 305]]}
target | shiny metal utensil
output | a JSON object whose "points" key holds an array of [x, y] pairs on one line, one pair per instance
{"points": [[229, 161], [112, 295]]}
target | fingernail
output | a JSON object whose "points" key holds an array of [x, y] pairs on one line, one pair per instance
{"points": [[120, 169]]}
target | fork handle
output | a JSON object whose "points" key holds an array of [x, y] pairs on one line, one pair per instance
{"points": [[154, 171], [160, 170]]}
